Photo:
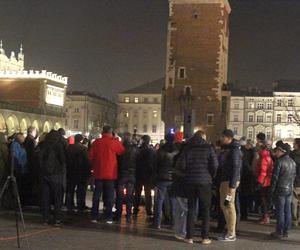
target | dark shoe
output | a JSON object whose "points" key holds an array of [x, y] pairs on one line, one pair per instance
{"points": [[155, 226], [128, 220], [276, 235], [285, 235]]}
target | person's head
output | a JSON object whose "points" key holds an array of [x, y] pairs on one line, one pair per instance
{"points": [[260, 139], [32, 131], [249, 144], [127, 137], [227, 137], [200, 134], [146, 139], [296, 144], [78, 138], [20, 138], [170, 138], [62, 132], [282, 149], [243, 141], [53, 136], [107, 130]]}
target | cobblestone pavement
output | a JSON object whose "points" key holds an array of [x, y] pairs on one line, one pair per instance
{"points": [[79, 233]]}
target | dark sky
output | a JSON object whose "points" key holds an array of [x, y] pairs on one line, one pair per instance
{"points": [[106, 46]]}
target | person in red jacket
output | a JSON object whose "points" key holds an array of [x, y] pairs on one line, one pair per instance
{"points": [[103, 157], [264, 169]]}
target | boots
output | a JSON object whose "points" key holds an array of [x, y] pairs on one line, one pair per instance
{"points": [[265, 219]]}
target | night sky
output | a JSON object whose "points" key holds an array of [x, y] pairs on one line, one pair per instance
{"points": [[106, 46]]}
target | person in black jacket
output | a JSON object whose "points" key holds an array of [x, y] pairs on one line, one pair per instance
{"points": [[295, 155], [282, 189], [126, 178], [144, 174], [164, 175], [201, 167], [78, 172], [230, 174], [52, 171]]}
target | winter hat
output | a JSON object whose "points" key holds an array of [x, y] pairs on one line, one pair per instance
{"points": [[228, 133], [261, 137], [170, 137], [283, 147]]}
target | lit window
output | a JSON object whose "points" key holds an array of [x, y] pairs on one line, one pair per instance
{"points": [[210, 119], [269, 106], [290, 118], [76, 110], [127, 99], [278, 133], [278, 118], [154, 113], [251, 105], [235, 118], [136, 99], [145, 128], [181, 73], [126, 114], [154, 128], [269, 135]]}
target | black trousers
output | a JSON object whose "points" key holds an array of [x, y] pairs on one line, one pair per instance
{"points": [[76, 182], [51, 189], [148, 198], [128, 184], [203, 194]]}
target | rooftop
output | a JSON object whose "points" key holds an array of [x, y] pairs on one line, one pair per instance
{"points": [[85, 93], [154, 87], [286, 85]]}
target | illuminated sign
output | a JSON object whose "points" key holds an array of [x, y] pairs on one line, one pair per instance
{"points": [[55, 95]]}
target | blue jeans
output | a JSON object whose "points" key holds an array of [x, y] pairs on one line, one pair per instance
{"points": [[283, 205], [161, 190], [107, 187], [180, 216]]}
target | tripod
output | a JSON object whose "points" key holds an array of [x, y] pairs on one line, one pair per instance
{"points": [[11, 183]]}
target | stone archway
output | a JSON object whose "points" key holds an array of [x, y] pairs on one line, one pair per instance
{"points": [[12, 125], [2, 124], [23, 126], [38, 125], [57, 126]]}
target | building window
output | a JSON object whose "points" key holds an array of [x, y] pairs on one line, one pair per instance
{"points": [[278, 133], [235, 118], [136, 100], [236, 105], [127, 99], [155, 113], [146, 100], [135, 114], [260, 118], [290, 118], [135, 128], [250, 134], [76, 110], [171, 81], [155, 100], [126, 114], [269, 106], [290, 103], [182, 73], [210, 119], [76, 124], [154, 128], [235, 130], [278, 118], [145, 114], [251, 118], [145, 128], [251, 105], [269, 118], [260, 106], [279, 102], [269, 135]]}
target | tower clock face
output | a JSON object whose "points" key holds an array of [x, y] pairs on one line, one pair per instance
{"points": [[55, 95]]}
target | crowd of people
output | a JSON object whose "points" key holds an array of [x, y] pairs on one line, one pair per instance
{"points": [[191, 179]]}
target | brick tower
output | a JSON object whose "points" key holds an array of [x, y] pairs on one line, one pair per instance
{"points": [[196, 68]]}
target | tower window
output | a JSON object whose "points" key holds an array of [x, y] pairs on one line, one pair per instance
{"points": [[182, 73], [196, 15]]}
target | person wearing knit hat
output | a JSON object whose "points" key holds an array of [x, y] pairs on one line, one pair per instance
{"points": [[282, 189]]}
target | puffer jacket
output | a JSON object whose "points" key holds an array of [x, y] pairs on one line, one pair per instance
{"points": [[145, 163], [295, 155], [165, 162], [201, 162], [231, 163], [127, 161], [264, 167], [283, 177]]}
